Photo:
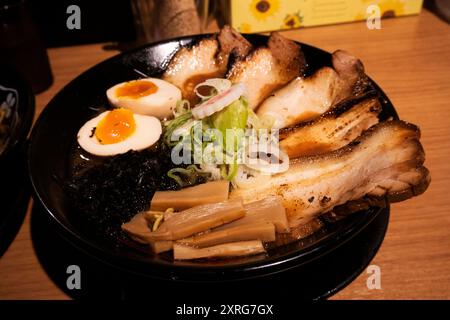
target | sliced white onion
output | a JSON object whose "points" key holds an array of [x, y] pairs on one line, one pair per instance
{"points": [[182, 107], [218, 102], [217, 83]]}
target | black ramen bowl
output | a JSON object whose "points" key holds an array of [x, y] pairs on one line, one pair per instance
{"points": [[55, 132], [16, 116]]}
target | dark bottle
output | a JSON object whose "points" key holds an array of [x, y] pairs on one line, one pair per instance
{"points": [[21, 45]]}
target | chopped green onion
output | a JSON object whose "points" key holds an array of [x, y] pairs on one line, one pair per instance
{"points": [[172, 125], [188, 176], [182, 107]]}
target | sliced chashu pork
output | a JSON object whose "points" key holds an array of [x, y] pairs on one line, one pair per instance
{"points": [[206, 59], [304, 99], [331, 131], [268, 68], [386, 161]]}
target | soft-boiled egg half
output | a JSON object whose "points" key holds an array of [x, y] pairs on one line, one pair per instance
{"points": [[118, 131], [149, 96]]}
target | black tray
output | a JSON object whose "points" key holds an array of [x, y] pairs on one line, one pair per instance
{"points": [[317, 280]]}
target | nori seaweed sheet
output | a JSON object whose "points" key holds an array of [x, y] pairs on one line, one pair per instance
{"points": [[113, 191]]}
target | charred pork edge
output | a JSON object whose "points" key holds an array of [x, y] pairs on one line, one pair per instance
{"points": [[333, 113], [369, 201], [352, 145], [300, 58]]}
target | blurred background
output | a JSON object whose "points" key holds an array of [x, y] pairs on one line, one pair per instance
{"points": [[124, 21], [28, 27], [152, 20]]}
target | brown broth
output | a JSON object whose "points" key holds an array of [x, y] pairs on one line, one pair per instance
{"points": [[192, 82]]}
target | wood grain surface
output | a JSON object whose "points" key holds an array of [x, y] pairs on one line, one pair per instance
{"points": [[410, 59]]}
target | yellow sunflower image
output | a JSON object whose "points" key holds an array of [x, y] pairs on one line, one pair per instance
{"points": [[392, 8], [245, 28], [262, 9], [389, 8], [292, 21], [360, 16]]}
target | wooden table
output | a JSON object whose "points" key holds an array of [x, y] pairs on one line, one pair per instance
{"points": [[410, 59]]}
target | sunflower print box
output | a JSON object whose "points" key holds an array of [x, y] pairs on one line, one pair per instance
{"points": [[267, 15]]}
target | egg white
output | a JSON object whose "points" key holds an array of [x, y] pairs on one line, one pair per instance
{"points": [[147, 132], [159, 104]]}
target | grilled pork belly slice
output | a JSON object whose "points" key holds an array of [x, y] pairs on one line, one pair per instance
{"points": [[205, 60], [233, 42], [262, 230], [333, 130], [299, 232], [268, 68], [351, 72], [232, 249], [304, 99], [386, 161]]}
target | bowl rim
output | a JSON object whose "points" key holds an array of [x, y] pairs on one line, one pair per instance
{"points": [[111, 257]]}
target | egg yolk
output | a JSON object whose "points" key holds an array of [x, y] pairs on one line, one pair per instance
{"points": [[136, 89], [116, 126]]}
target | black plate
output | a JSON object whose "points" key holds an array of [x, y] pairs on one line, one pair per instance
{"points": [[17, 110], [55, 132], [318, 279]]}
